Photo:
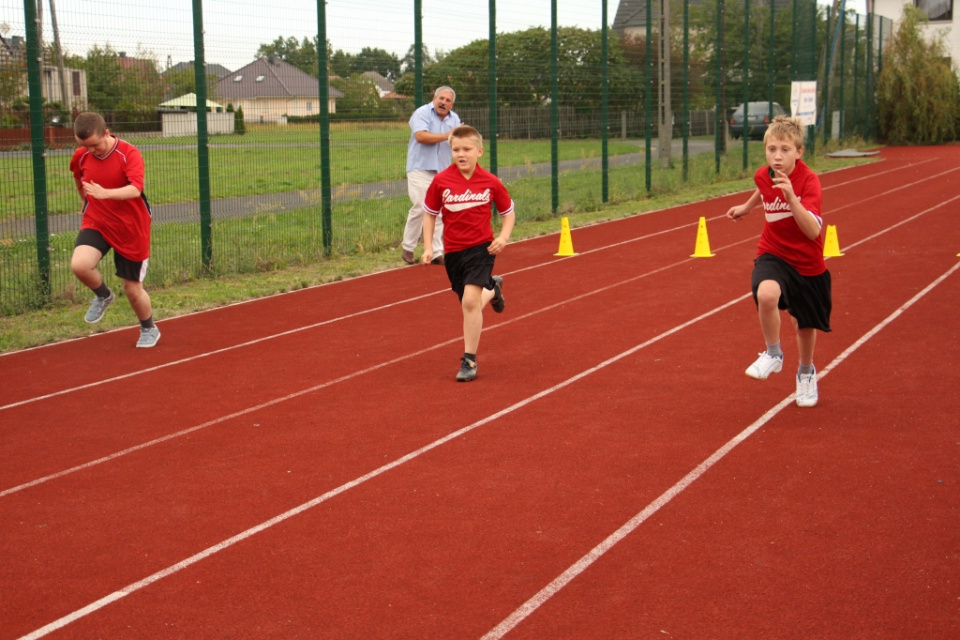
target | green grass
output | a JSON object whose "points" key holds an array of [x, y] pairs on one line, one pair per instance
{"points": [[269, 160], [366, 232]]}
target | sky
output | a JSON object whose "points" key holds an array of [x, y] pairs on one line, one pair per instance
{"points": [[235, 29]]}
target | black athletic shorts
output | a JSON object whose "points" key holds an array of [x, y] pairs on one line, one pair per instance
{"points": [[470, 266], [134, 270], [807, 298]]}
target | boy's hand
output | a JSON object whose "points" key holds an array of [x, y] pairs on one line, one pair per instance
{"points": [[496, 246], [427, 256], [737, 212], [94, 190], [782, 181]]}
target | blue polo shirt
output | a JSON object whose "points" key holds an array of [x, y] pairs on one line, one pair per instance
{"points": [[430, 157]]}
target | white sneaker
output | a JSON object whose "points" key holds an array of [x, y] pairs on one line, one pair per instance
{"points": [[807, 394], [764, 366]]}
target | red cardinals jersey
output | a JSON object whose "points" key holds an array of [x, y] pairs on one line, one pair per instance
{"points": [[465, 205], [124, 224], [782, 235]]}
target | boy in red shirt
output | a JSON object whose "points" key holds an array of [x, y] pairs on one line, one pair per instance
{"points": [[789, 271], [109, 176], [463, 193]]}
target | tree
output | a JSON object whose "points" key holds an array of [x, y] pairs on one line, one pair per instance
{"points": [[302, 55], [523, 70], [346, 64], [917, 91]]}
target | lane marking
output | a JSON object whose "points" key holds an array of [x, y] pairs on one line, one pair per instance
{"points": [[408, 356], [249, 343], [581, 565]]}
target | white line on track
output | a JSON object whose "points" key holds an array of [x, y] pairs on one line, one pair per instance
{"points": [[545, 594], [408, 356], [421, 297], [581, 565]]}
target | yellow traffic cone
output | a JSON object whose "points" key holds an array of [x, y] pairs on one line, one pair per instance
{"points": [[566, 243], [702, 250], [831, 248]]}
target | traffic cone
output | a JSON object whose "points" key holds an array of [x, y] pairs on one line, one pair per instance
{"points": [[702, 250], [831, 248], [566, 243]]}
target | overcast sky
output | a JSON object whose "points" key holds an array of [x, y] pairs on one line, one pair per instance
{"points": [[234, 29]]}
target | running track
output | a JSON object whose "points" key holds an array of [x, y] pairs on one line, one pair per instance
{"points": [[305, 466]]}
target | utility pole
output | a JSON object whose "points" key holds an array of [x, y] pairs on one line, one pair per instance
{"points": [[67, 104]]}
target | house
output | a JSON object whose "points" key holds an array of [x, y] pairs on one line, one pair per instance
{"points": [[74, 81], [269, 90], [942, 20], [384, 85], [216, 70]]}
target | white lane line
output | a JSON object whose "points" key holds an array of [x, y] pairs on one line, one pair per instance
{"points": [[415, 354], [581, 565], [174, 568], [408, 300], [323, 385]]}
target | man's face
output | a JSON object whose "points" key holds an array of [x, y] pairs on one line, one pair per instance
{"points": [[443, 103], [98, 144]]}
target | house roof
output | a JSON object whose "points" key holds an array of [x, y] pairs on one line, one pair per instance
{"points": [[217, 70], [270, 78], [383, 84], [188, 101]]}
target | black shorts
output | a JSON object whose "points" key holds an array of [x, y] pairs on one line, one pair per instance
{"points": [[807, 298], [470, 266], [135, 270]]}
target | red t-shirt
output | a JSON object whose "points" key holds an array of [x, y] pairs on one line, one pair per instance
{"points": [[465, 205], [124, 224], [782, 235]]}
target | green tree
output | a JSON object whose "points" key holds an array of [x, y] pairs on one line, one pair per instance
{"points": [[917, 91], [523, 70], [346, 64], [301, 54]]}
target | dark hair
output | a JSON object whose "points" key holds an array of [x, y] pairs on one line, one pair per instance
{"points": [[87, 124]]}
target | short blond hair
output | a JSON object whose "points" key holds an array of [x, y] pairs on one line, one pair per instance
{"points": [[466, 131], [785, 128]]}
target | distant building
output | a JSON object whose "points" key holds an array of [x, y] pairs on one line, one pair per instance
{"points": [[384, 85], [216, 70], [13, 51], [269, 89], [941, 15]]}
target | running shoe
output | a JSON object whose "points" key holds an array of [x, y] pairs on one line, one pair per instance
{"points": [[498, 302], [807, 394], [98, 306], [764, 366], [149, 336], [468, 370]]}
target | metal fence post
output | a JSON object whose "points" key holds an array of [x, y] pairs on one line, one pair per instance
{"points": [[324, 90], [203, 148], [36, 145]]}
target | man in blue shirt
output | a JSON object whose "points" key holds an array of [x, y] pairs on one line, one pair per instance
{"points": [[427, 153]]}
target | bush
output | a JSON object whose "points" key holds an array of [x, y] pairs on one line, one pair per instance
{"points": [[917, 90]]}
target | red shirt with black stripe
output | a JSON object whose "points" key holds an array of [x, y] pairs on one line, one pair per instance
{"points": [[124, 224]]}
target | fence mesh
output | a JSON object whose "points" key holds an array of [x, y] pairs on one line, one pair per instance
{"points": [[573, 120]]}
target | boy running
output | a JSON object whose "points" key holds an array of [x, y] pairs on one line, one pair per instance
{"points": [[789, 271], [109, 176], [463, 194]]}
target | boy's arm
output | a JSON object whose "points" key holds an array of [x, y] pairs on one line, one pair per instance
{"points": [[429, 225], [507, 221], [737, 212], [94, 190], [808, 223]]}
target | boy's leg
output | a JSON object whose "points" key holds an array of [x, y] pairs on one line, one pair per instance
{"points": [[807, 393], [768, 297], [806, 341], [139, 299], [474, 300], [84, 265]]}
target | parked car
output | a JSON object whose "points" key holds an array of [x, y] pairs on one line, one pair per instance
{"points": [[759, 118]]}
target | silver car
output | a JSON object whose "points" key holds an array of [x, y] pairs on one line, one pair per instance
{"points": [[759, 118]]}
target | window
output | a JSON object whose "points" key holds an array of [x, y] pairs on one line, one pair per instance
{"points": [[76, 83], [936, 9], [238, 78], [260, 78], [309, 106]]}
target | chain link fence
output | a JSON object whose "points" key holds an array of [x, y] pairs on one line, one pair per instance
{"points": [[287, 166]]}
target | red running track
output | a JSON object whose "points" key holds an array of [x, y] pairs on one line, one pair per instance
{"points": [[305, 466]]}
